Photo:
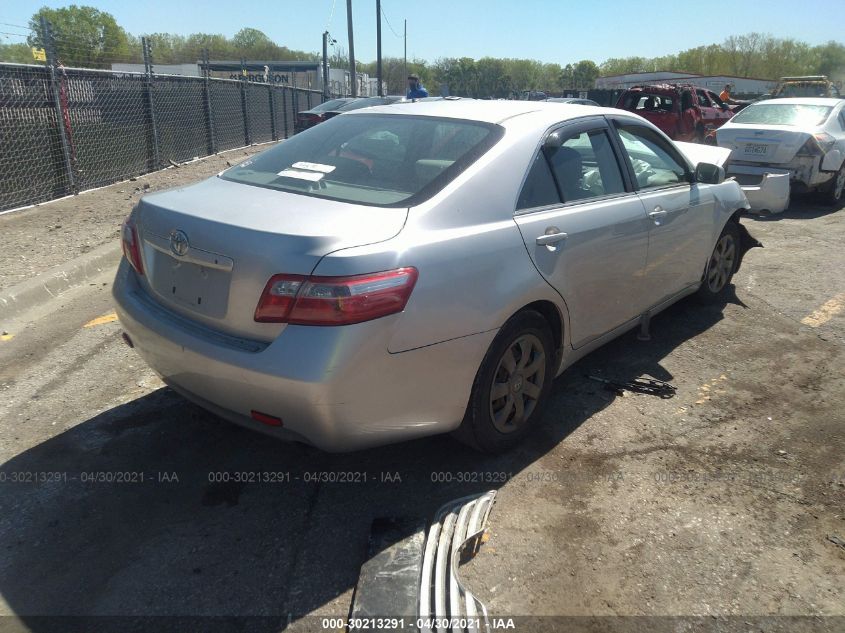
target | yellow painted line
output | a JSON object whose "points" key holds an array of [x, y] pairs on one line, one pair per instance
{"points": [[826, 312], [106, 318], [6, 337]]}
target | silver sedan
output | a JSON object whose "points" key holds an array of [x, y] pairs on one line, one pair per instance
{"points": [[420, 268]]}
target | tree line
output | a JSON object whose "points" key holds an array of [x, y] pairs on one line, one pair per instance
{"points": [[88, 37]]}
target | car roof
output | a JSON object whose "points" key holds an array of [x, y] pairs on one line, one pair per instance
{"points": [[486, 111], [819, 101]]}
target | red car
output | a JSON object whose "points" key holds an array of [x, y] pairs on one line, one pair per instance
{"points": [[683, 112]]}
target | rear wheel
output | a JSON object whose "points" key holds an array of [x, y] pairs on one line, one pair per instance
{"points": [[833, 193], [511, 386], [721, 265]]}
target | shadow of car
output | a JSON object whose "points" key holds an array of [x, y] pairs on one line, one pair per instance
{"points": [[168, 518]]}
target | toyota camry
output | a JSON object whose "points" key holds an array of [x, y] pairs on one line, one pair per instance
{"points": [[421, 268]]}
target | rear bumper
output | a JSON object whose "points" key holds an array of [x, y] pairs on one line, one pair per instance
{"points": [[337, 388], [767, 189]]}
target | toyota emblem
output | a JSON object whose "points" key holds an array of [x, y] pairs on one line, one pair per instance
{"points": [[178, 242]]}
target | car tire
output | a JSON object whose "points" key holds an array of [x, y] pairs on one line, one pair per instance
{"points": [[834, 193], [721, 265], [502, 409]]}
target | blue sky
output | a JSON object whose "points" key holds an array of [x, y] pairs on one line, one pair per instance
{"points": [[559, 31]]}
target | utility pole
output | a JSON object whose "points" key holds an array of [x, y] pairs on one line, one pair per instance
{"points": [[326, 64], [378, 47], [406, 49], [353, 75]]}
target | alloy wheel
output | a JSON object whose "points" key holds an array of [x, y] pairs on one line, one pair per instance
{"points": [[721, 264], [517, 383]]}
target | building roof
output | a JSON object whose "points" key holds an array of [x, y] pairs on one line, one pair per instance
{"points": [[684, 75], [258, 65], [650, 72]]}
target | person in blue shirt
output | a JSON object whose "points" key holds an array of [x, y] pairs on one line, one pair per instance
{"points": [[415, 88]]}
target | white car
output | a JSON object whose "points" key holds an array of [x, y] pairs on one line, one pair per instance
{"points": [[802, 140]]}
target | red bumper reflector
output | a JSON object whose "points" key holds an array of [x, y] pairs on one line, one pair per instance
{"points": [[264, 418]]}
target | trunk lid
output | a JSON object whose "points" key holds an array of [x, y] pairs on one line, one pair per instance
{"points": [[769, 144], [210, 248]]}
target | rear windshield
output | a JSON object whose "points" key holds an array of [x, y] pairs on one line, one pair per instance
{"points": [[784, 114], [373, 159]]}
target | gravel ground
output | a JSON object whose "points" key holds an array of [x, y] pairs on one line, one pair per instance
{"points": [[724, 502], [43, 236]]}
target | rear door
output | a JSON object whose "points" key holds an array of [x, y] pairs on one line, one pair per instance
{"points": [[585, 229], [681, 213]]}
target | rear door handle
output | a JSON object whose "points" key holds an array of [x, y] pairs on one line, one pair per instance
{"points": [[553, 235]]}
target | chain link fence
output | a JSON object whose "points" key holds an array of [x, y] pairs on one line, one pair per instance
{"points": [[63, 130]]}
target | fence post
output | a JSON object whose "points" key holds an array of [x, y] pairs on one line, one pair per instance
{"points": [[148, 68], [272, 95], [209, 113], [49, 49], [285, 110], [244, 109]]}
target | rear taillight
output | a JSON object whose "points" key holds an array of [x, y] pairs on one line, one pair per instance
{"points": [[335, 300], [825, 141], [131, 245], [817, 145]]}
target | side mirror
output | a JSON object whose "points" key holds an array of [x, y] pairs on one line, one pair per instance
{"points": [[553, 143], [709, 174]]}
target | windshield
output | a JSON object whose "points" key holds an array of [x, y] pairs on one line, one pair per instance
{"points": [[784, 114], [373, 159]]}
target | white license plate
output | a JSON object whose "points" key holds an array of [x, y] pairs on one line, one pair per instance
{"points": [[756, 149]]}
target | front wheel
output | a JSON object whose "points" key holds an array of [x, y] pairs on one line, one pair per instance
{"points": [[511, 386], [722, 264]]}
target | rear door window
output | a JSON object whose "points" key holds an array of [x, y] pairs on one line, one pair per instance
{"points": [[644, 102], [586, 167], [539, 189]]}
